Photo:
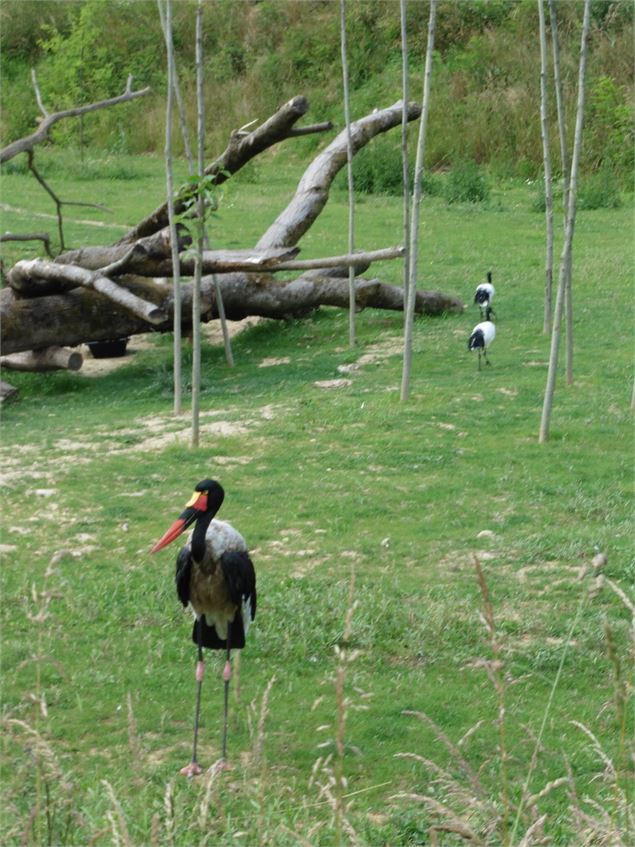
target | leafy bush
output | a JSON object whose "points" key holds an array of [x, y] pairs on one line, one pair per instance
{"points": [[539, 204], [610, 135], [377, 169], [599, 191], [466, 183]]}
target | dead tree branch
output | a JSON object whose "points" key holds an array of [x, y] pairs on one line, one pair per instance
{"points": [[23, 145], [29, 236], [240, 150], [30, 271], [313, 189]]}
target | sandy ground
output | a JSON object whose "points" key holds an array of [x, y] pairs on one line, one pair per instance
{"points": [[211, 333]]}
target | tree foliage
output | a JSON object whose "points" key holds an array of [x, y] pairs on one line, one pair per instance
{"points": [[260, 53]]}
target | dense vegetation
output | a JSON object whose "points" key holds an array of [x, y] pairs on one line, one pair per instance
{"points": [[485, 90]]}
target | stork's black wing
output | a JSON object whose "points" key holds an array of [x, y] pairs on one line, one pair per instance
{"points": [[240, 578], [183, 571]]}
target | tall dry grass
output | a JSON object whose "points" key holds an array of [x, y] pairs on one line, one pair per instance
{"points": [[459, 802]]}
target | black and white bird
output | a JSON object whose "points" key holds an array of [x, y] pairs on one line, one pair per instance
{"points": [[484, 295], [482, 336], [216, 577]]}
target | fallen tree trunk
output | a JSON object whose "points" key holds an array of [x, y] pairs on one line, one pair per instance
{"points": [[48, 359], [83, 315], [34, 271]]}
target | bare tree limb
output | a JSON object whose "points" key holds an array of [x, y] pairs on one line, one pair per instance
{"points": [[152, 252], [71, 276], [313, 189], [138, 260], [240, 150], [29, 236], [23, 145]]}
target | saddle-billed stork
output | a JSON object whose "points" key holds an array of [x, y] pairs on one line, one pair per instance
{"points": [[484, 295], [482, 336], [216, 576]]}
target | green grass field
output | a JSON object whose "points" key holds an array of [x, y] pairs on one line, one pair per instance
{"points": [[330, 485]]}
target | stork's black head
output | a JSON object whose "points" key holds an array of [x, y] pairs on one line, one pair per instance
{"points": [[205, 502], [214, 491]]}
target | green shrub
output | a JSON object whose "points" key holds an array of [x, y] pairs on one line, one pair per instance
{"points": [[599, 191], [378, 169], [466, 183], [539, 204]]}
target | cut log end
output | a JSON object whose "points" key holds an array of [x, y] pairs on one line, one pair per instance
{"points": [[7, 392], [48, 359]]}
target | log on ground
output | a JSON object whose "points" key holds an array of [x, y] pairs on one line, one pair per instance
{"points": [[83, 315]]}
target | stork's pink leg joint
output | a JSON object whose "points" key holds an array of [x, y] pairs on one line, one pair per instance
{"points": [[227, 671], [200, 671]]}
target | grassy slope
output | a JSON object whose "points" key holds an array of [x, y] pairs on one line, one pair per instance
{"points": [[320, 480]]}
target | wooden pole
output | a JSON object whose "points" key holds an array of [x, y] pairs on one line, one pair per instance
{"points": [[546, 159], [562, 130], [565, 260], [176, 274], [416, 206], [176, 89], [349, 171], [405, 97], [564, 156], [196, 300]]}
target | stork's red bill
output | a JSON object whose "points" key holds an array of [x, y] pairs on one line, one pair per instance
{"points": [[195, 507]]}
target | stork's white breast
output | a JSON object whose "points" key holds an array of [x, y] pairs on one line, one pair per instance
{"points": [[222, 537]]}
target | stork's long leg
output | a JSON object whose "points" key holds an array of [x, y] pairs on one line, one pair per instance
{"points": [[227, 674], [194, 769]]}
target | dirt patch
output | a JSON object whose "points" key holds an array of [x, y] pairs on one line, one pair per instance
{"points": [[271, 362], [333, 383], [211, 332]]}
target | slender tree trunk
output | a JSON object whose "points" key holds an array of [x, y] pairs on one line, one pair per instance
{"points": [[562, 129], [349, 171], [176, 275], [546, 158], [416, 207], [565, 260], [405, 97], [176, 88], [200, 242], [568, 296]]}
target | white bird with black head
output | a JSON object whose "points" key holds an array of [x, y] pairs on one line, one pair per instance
{"points": [[484, 295], [215, 575], [482, 336]]}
